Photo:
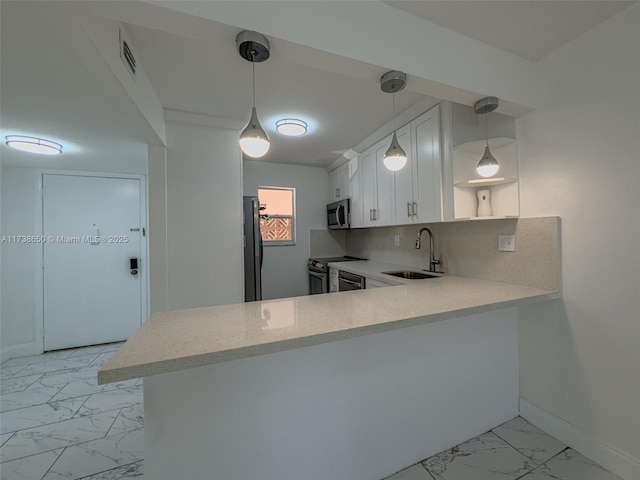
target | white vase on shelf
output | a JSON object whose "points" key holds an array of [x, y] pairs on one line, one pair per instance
{"points": [[484, 203]]}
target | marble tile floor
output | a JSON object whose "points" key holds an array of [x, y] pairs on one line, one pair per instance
{"points": [[515, 450], [57, 423]]}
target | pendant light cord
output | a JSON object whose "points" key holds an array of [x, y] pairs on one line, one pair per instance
{"points": [[486, 129], [393, 97], [253, 71]]}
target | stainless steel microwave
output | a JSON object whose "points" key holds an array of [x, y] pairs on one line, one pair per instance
{"points": [[338, 215]]}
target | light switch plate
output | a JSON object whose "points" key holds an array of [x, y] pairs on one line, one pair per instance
{"points": [[506, 243]]}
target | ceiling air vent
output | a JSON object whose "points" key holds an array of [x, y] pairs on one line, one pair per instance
{"points": [[127, 56]]}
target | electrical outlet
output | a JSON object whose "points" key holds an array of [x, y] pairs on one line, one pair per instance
{"points": [[506, 243], [397, 241]]}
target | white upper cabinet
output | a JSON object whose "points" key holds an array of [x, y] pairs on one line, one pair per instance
{"points": [[419, 188], [380, 197], [384, 212], [339, 183], [403, 179], [355, 189]]}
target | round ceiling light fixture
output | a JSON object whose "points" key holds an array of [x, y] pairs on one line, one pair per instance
{"points": [[33, 144], [291, 127]]}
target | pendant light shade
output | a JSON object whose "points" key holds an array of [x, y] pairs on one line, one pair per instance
{"points": [[254, 48], [395, 158], [488, 166], [254, 141]]}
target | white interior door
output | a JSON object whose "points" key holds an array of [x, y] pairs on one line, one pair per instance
{"points": [[91, 295]]}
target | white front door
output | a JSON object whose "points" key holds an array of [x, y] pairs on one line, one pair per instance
{"points": [[93, 228]]}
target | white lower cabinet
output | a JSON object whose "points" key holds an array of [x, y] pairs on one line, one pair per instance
{"points": [[334, 282], [375, 283]]}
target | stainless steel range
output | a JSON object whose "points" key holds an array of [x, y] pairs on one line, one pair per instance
{"points": [[319, 272]]}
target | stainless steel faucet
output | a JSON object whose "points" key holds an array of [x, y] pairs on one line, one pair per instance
{"points": [[432, 261]]}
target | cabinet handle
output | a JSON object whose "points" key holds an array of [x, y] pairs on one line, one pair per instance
{"points": [[415, 208], [375, 214], [337, 193], [409, 210], [370, 215]]}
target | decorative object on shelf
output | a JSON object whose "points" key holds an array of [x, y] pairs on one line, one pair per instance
{"points": [[253, 47], [488, 166], [291, 127], [33, 144], [395, 157], [484, 203]]}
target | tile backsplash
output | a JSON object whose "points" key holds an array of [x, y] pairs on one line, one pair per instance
{"points": [[471, 248]]}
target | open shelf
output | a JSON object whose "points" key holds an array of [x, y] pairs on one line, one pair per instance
{"points": [[489, 182]]}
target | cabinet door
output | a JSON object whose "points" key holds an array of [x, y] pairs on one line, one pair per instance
{"points": [[427, 168], [369, 186], [403, 180], [385, 190], [355, 190], [339, 183]]}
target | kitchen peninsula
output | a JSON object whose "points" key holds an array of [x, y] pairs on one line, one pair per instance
{"points": [[347, 385]]}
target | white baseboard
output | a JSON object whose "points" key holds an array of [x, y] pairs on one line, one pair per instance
{"points": [[22, 350], [605, 455]]}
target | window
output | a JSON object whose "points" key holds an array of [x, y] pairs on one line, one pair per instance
{"points": [[277, 215]]}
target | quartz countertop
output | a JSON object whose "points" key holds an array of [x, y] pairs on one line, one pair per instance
{"points": [[182, 339]]}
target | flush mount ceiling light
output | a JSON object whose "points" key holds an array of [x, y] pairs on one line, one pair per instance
{"points": [[488, 166], [33, 145], [395, 157], [291, 127], [254, 48]]}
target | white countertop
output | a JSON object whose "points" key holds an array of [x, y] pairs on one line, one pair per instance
{"points": [[182, 339]]}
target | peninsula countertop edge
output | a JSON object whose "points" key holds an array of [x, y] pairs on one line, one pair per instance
{"points": [[182, 339]]}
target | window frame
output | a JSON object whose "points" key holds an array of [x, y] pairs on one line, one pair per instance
{"points": [[282, 243]]}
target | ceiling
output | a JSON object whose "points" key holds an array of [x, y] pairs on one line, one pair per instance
{"points": [[528, 28], [55, 84]]}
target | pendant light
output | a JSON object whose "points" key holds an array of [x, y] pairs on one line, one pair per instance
{"points": [[395, 157], [254, 48], [488, 166]]}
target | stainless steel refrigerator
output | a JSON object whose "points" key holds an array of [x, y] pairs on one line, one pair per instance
{"points": [[252, 250]]}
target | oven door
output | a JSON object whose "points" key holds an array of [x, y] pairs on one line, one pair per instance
{"points": [[349, 281], [317, 283]]}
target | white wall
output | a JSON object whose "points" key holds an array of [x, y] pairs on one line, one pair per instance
{"points": [[579, 159], [204, 216], [284, 270], [20, 262], [21, 275]]}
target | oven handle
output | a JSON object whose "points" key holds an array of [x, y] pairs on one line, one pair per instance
{"points": [[317, 275], [357, 284]]}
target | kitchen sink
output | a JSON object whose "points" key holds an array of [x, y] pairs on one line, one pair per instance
{"points": [[408, 274]]}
